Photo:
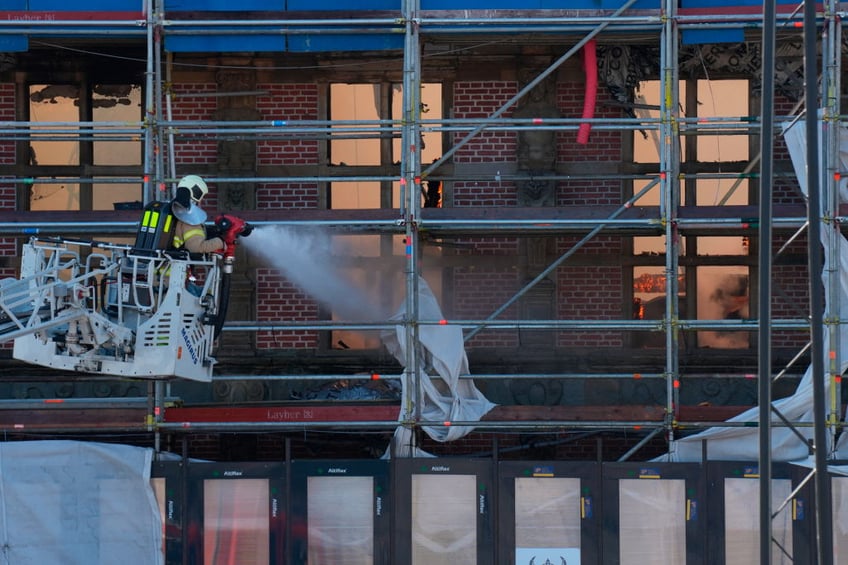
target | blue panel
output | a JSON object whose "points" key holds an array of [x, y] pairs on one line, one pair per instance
{"points": [[726, 3], [44, 10], [696, 36], [86, 6], [224, 43], [294, 5], [537, 5], [714, 3], [223, 5], [490, 4], [11, 43], [616, 4], [314, 43]]}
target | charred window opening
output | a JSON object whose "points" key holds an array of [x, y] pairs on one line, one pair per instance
{"points": [[374, 264], [713, 280], [83, 152]]}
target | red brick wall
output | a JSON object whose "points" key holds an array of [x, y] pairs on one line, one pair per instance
{"points": [[602, 146], [7, 148], [285, 103], [7, 113], [583, 292], [8, 199], [482, 99], [288, 196], [785, 190], [478, 292], [593, 292], [790, 292], [192, 102], [279, 301], [586, 292], [474, 100]]}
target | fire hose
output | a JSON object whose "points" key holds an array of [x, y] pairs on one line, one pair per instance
{"points": [[231, 228]]}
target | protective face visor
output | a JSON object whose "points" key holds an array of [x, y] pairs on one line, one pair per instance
{"points": [[197, 192], [191, 214]]}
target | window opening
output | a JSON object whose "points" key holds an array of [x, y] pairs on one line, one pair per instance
{"points": [[61, 108], [57, 107], [721, 290], [54, 194], [723, 294], [429, 147], [352, 144], [375, 264]]}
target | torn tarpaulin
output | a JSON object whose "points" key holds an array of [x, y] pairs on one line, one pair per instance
{"points": [[444, 397]]}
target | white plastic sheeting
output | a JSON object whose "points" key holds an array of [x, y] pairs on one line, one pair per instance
{"points": [[68, 503], [737, 443], [446, 399]]}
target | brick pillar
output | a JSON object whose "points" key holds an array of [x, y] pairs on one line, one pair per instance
{"points": [[237, 159]]}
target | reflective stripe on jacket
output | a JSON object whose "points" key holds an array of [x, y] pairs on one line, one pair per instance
{"points": [[193, 238]]}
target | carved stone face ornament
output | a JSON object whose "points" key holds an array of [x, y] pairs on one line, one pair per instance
{"points": [[537, 150]]}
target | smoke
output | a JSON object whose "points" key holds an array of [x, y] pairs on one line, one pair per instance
{"points": [[303, 256], [723, 295]]}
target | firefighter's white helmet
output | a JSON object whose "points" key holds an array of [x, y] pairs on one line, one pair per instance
{"points": [[187, 196], [196, 187]]}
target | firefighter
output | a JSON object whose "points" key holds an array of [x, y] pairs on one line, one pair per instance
{"points": [[190, 232]]}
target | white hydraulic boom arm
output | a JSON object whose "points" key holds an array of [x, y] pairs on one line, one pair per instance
{"points": [[112, 309]]}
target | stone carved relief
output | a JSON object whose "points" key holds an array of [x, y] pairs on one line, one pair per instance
{"points": [[537, 150], [236, 157], [239, 391], [536, 393], [536, 162]]}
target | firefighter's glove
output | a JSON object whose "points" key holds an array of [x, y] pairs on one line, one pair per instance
{"points": [[213, 230]]}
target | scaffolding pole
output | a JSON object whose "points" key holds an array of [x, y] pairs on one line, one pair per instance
{"points": [[764, 333], [814, 101]]}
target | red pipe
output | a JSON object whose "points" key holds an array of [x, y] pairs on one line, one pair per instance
{"points": [[590, 67]]}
